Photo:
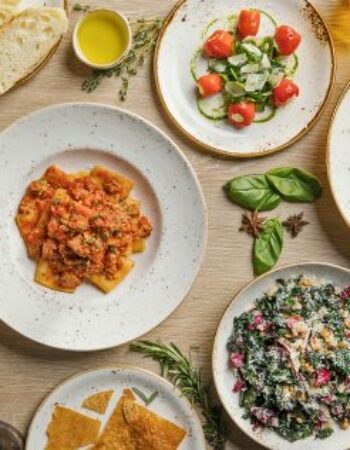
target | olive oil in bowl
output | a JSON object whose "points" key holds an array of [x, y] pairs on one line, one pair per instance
{"points": [[102, 38]]}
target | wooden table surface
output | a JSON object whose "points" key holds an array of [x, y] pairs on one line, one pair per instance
{"points": [[28, 371]]}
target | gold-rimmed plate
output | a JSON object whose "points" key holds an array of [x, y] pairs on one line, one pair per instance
{"points": [[182, 35], [338, 155], [225, 378], [25, 4]]}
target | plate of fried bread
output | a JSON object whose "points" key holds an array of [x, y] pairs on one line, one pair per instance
{"points": [[92, 197], [122, 408], [30, 32]]}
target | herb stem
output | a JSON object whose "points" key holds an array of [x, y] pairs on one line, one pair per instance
{"points": [[188, 379], [145, 34]]}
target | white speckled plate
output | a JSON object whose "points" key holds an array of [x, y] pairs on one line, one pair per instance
{"points": [[338, 155], [169, 403], [79, 136], [223, 375], [181, 36]]}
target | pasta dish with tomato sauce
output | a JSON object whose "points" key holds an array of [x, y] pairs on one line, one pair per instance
{"points": [[81, 226]]}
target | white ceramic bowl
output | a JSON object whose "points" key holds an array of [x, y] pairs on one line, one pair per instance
{"points": [[80, 55], [78, 136], [223, 374]]}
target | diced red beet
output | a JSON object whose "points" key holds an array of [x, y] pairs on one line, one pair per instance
{"points": [[265, 416], [323, 376], [347, 385], [236, 360], [345, 293], [258, 319], [238, 386], [327, 399]]}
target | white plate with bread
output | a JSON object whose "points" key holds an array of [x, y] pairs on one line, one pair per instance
{"points": [[30, 32]]}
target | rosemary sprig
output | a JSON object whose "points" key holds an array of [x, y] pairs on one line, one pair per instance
{"points": [[145, 33], [79, 7], [146, 400], [181, 372]]}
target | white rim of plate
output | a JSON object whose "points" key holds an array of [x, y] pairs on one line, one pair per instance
{"points": [[204, 240], [119, 367]]}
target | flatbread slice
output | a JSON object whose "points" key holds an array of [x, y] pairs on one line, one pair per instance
{"points": [[152, 431], [69, 430], [117, 434], [98, 402]]}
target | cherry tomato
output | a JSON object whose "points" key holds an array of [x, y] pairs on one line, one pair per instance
{"points": [[249, 22], [241, 114], [284, 92], [220, 44], [209, 84], [287, 39]]}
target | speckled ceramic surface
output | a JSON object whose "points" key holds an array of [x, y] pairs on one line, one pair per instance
{"points": [[169, 403], [182, 36], [223, 375], [79, 136], [338, 156]]}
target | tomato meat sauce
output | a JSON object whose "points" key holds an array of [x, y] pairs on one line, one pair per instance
{"points": [[81, 225]]}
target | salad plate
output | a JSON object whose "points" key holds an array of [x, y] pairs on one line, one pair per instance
{"points": [[179, 63], [312, 289], [78, 137], [167, 402], [338, 158]]}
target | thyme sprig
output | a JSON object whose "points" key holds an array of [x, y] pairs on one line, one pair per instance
{"points": [[188, 379], [79, 7], [145, 33]]}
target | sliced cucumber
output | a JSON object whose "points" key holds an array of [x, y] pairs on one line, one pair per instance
{"points": [[216, 65], [199, 65], [234, 88], [289, 63], [266, 115], [266, 14], [228, 23], [213, 108]]}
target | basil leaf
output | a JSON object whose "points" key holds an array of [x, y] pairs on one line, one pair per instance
{"points": [[252, 192], [268, 246], [295, 185]]}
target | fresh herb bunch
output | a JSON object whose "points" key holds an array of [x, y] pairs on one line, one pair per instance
{"points": [[264, 192], [145, 34], [181, 372]]}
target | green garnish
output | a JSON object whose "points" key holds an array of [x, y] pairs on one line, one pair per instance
{"points": [[79, 7], [268, 246], [145, 34], [264, 192], [180, 371], [146, 400]]}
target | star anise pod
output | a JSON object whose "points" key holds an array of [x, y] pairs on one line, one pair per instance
{"points": [[295, 224], [252, 223]]}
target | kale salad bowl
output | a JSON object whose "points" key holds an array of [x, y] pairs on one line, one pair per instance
{"points": [[281, 358]]}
